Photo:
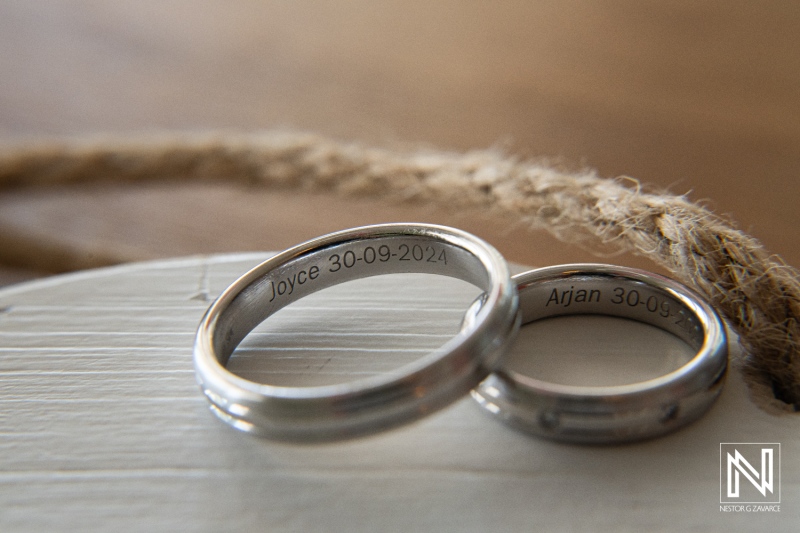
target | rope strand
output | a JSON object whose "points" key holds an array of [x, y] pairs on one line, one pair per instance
{"points": [[757, 292]]}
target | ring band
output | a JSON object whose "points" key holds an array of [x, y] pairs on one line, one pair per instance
{"points": [[611, 414], [371, 404]]}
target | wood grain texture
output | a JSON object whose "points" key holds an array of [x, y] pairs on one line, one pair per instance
{"points": [[102, 426]]}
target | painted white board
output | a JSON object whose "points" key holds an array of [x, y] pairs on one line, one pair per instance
{"points": [[102, 427]]}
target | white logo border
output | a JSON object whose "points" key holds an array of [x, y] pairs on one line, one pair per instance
{"points": [[722, 475]]}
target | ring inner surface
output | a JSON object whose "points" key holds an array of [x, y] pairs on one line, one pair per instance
{"points": [[612, 296], [324, 267]]}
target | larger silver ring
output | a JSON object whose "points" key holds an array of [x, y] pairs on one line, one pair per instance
{"points": [[371, 404], [611, 414]]}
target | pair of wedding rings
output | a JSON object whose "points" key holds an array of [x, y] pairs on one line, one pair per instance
{"points": [[471, 362]]}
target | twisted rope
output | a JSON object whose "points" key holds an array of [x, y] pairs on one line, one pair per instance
{"points": [[757, 292]]}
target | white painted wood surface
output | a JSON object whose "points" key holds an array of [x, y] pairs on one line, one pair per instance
{"points": [[102, 427]]}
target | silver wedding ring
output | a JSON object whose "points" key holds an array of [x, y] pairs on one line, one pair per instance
{"points": [[610, 414], [371, 404], [472, 358]]}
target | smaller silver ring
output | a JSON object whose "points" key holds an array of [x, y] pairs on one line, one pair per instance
{"points": [[611, 414], [370, 404]]}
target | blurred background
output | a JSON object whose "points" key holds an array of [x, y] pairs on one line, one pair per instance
{"points": [[698, 98]]}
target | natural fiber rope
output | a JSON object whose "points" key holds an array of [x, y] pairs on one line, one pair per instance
{"points": [[757, 292]]}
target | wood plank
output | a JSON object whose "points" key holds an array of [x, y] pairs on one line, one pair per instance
{"points": [[90, 226], [10, 275], [699, 99], [102, 426]]}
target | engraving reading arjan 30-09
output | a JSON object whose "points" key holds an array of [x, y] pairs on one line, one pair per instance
{"points": [[368, 255], [634, 298]]}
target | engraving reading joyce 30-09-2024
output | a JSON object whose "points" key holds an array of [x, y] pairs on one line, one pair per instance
{"points": [[633, 298], [384, 254], [369, 255]]}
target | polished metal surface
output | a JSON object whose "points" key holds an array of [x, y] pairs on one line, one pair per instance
{"points": [[371, 404], [611, 414]]}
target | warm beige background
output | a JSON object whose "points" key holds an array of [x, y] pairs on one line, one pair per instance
{"points": [[701, 98]]}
